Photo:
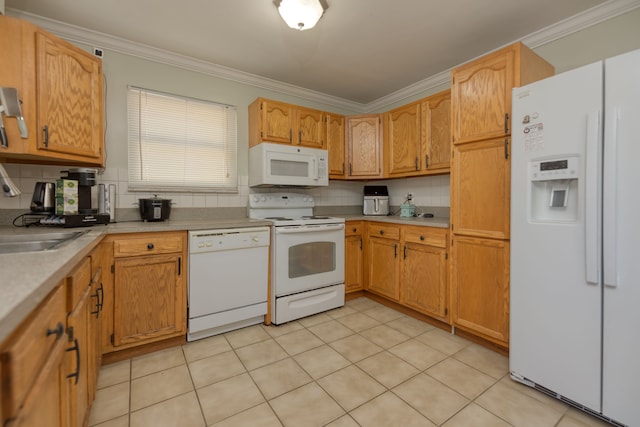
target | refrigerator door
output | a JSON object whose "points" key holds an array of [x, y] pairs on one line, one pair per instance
{"points": [[621, 351], [555, 313]]}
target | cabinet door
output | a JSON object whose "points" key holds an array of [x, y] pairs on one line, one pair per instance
{"points": [[148, 299], [363, 146], [480, 189], [335, 145], [94, 313], [402, 139], [353, 264], [436, 132], [78, 362], [480, 288], [69, 99], [424, 279], [277, 119], [310, 128], [46, 403], [481, 97], [384, 267]]}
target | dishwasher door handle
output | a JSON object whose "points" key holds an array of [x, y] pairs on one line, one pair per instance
{"points": [[309, 229]]}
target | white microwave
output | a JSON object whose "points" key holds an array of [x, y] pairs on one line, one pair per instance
{"points": [[272, 165]]}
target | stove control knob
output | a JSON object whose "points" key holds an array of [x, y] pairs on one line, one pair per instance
{"points": [[264, 199], [255, 198]]}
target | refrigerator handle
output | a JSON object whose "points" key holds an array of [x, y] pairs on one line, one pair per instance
{"points": [[592, 176], [610, 200]]}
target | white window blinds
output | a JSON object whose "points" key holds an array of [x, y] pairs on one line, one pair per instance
{"points": [[180, 144]]}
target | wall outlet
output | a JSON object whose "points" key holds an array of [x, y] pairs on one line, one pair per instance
{"points": [[98, 52]]}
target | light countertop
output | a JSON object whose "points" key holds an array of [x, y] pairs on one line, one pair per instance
{"points": [[27, 278]]}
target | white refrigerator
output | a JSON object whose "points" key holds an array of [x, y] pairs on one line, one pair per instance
{"points": [[575, 237]]}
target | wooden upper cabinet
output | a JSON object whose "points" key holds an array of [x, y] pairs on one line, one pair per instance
{"points": [[481, 91], [480, 189], [402, 139], [276, 122], [69, 99], [61, 90], [364, 146], [335, 145], [436, 131], [310, 127], [279, 122]]}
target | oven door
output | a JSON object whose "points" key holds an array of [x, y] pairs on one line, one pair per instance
{"points": [[308, 257]]}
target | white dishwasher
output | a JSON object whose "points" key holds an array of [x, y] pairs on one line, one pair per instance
{"points": [[228, 280]]}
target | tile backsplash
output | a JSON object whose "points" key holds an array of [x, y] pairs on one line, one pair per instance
{"points": [[426, 191]]}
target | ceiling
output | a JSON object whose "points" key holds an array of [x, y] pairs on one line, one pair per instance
{"points": [[360, 51]]}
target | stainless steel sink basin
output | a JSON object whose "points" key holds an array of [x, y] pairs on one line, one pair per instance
{"points": [[35, 242]]}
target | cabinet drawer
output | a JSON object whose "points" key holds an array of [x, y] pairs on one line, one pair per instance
{"points": [[426, 235], [385, 231], [24, 356], [353, 228], [151, 245], [77, 283]]}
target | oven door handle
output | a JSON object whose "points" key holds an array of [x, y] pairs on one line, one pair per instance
{"points": [[309, 228]]}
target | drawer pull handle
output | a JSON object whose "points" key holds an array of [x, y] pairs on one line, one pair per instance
{"points": [[150, 246], [58, 331], [421, 237], [75, 348]]}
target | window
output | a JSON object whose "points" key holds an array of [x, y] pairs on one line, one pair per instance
{"points": [[180, 144]]}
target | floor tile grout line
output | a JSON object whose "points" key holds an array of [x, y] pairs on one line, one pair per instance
{"points": [[315, 380]]}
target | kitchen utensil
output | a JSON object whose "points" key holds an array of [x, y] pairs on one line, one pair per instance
{"points": [[11, 104], [44, 197], [8, 187], [155, 208]]}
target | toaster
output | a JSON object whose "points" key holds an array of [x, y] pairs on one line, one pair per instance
{"points": [[376, 200]]}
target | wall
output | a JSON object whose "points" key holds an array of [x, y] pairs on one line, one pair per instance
{"points": [[606, 39]]}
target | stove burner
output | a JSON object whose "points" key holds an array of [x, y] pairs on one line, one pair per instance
{"points": [[279, 218]]}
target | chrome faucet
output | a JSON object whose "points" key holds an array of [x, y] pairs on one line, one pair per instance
{"points": [[8, 187]]}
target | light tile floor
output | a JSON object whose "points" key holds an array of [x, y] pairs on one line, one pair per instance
{"points": [[360, 365]]}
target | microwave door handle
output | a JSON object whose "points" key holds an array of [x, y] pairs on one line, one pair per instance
{"points": [[309, 229], [376, 207], [316, 169]]}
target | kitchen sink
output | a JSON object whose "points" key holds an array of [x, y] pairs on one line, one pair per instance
{"points": [[35, 242]]}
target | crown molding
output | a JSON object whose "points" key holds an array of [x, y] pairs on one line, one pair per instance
{"points": [[553, 32], [85, 36], [593, 16]]}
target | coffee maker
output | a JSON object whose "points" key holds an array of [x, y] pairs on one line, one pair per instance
{"points": [[74, 208]]}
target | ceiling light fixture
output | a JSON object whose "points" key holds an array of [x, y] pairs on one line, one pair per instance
{"points": [[301, 14]]}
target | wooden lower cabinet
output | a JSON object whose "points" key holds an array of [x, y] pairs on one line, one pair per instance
{"points": [[383, 259], [34, 383], [480, 287], [46, 404], [78, 362], [409, 265], [423, 277], [149, 289], [354, 256]]}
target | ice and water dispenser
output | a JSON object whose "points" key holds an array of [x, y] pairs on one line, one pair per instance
{"points": [[554, 189]]}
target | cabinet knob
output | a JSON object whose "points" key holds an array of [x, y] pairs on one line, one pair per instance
{"points": [[57, 331], [149, 246], [381, 232], [421, 237], [354, 229]]}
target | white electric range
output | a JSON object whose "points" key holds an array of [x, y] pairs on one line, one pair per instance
{"points": [[307, 255]]}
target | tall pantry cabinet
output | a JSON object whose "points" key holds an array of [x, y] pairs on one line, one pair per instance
{"points": [[480, 186]]}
